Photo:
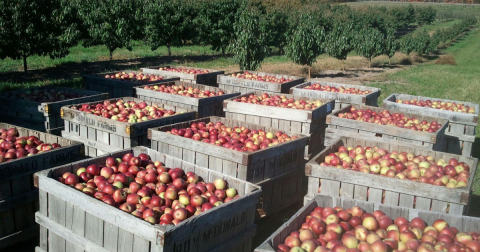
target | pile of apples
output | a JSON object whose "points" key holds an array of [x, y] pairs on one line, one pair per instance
{"points": [[450, 106], [184, 70], [400, 165], [267, 78], [133, 77], [236, 138], [148, 189], [12, 146], [385, 117], [279, 101], [44, 95], [354, 230], [125, 111], [341, 89], [184, 91]]}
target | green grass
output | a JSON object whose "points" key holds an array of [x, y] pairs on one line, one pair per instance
{"points": [[436, 26], [100, 53], [444, 11]]}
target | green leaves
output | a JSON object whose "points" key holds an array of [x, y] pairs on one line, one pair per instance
{"points": [[216, 21], [422, 42], [305, 39], [425, 15], [408, 44], [391, 44], [339, 41], [250, 45], [36, 27], [369, 43], [113, 23]]}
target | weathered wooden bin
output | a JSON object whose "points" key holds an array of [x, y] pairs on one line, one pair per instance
{"points": [[209, 78], [462, 223], [74, 221], [341, 99], [308, 122], [102, 135], [209, 106], [18, 196], [42, 116], [117, 88], [391, 191], [460, 134], [264, 166], [348, 127], [227, 82]]}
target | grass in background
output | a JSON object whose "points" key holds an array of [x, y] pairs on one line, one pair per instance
{"points": [[444, 11]]}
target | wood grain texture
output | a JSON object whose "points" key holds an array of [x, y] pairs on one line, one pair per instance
{"points": [[120, 231], [390, 191], [341, 98], [463, 223], [226, 81]]}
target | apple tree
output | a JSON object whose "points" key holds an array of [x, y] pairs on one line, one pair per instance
{"points": [[391, 44], [407, 44], [168, 23], [36, 27], [216, 21], [305, 40], [113, 23], [250, 45], [278, 26], [339, 41], [423, 42], [369, 43]]}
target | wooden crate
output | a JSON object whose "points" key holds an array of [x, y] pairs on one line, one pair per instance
{"points": [[308, 122], [390, 191], [210, 106], [462, 223], [41, 116], [209, 79], [117, 88], [18, 196], [255, 167], [102, 135], [348, 127], [73, 221], [227, 82], [460, 134], [281, 192], [341, 100]]}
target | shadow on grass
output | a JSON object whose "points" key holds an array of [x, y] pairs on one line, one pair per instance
{"points": [[71, 70], [474, 209]]}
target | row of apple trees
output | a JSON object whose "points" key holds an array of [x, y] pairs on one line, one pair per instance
{"points": [[249, 31]]}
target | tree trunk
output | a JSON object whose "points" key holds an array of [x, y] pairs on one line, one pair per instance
{"points": [[111, 55], [169, 50], [25, 69], [389, 60], [223, 51], [343, 65], [309, 69], [370, 63]]}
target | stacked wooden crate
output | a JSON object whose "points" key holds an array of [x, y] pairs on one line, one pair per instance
{"points": [[231, 82], [74, 221], [308, 122], [41, 116], [391, 191], [209, 79], [117, 88], [102, 135], [338, 127], [462, 223], [18, 196], [342, 100], [278, 169], [208, 106], [460, 134]]}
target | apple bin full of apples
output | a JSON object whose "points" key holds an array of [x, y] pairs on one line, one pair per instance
{"points": [[336, 224], [160, 201]]}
